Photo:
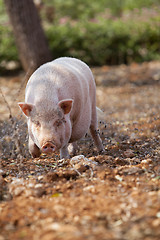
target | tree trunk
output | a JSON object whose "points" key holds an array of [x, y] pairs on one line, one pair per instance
{"points": [[30, 39]]}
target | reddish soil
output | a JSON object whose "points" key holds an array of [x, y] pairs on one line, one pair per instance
{"points": [[111, 196]]}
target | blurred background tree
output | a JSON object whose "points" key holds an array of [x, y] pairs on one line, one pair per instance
{"points": [[29, 36], [98, 32]]}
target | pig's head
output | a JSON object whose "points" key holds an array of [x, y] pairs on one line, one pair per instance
{"points": [[49, 126]]}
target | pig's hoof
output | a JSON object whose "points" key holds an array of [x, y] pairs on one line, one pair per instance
{"points": [[36, 153], [34, 150]]}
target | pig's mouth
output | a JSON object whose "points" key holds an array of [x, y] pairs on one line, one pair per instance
{"points": [[49, 147]]}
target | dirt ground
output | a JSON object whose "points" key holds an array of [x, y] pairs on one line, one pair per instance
{"points": [[96, 197]]}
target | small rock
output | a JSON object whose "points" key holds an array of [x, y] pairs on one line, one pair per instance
{"points": [[7, 197], [158, 215], [18, 191], [39, 185], [121, 162], [54, 226], [9, 227], [51, 177], [89, 188], [156, 223], [146, 161], [2, 238], [119, 178], [3, 173], [40, 177], [130, 171], [156, 76], [129, 153], [102, 175], [39, 192]]}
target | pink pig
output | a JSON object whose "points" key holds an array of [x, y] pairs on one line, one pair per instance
{"points": [[60, 106]]}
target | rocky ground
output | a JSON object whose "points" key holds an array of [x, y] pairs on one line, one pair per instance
{"points": [[111, 196]]}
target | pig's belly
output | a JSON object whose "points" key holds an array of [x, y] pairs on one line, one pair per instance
{"points": [[77, 135], [81, 127]]}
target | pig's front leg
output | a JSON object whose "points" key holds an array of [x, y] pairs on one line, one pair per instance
{"points": [[33, 149], [64, 152], [96, 138]]}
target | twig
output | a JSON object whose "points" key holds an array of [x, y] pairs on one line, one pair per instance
{"points": [[26, 77], [7, 104], [75, 170], [16, 150]]}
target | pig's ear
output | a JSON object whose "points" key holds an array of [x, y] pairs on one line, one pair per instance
{"points": [[66, 105], [26, 108]]}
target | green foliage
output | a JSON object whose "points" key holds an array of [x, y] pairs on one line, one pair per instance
{"points": [[8, 49], [98, 32], [80, 9], [107, 41]]}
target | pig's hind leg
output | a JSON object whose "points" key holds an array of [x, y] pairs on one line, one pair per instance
{"points": [[94, 132], [33, 149]]}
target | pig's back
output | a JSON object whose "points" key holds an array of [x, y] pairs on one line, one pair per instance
{"points": [[60, 79], [76, 67]]}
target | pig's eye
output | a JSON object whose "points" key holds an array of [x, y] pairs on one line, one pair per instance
{"points": [[58, 123], [64, 120], [37, 123]]}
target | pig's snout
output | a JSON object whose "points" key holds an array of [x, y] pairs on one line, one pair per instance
{"points": [[48, 147]]}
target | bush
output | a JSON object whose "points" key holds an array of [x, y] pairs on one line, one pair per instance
{"points": [[90, 31], [106, 41], [8, 49], [87, 9]]}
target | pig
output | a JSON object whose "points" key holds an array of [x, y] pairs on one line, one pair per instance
{"points": [[60, 107]]}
